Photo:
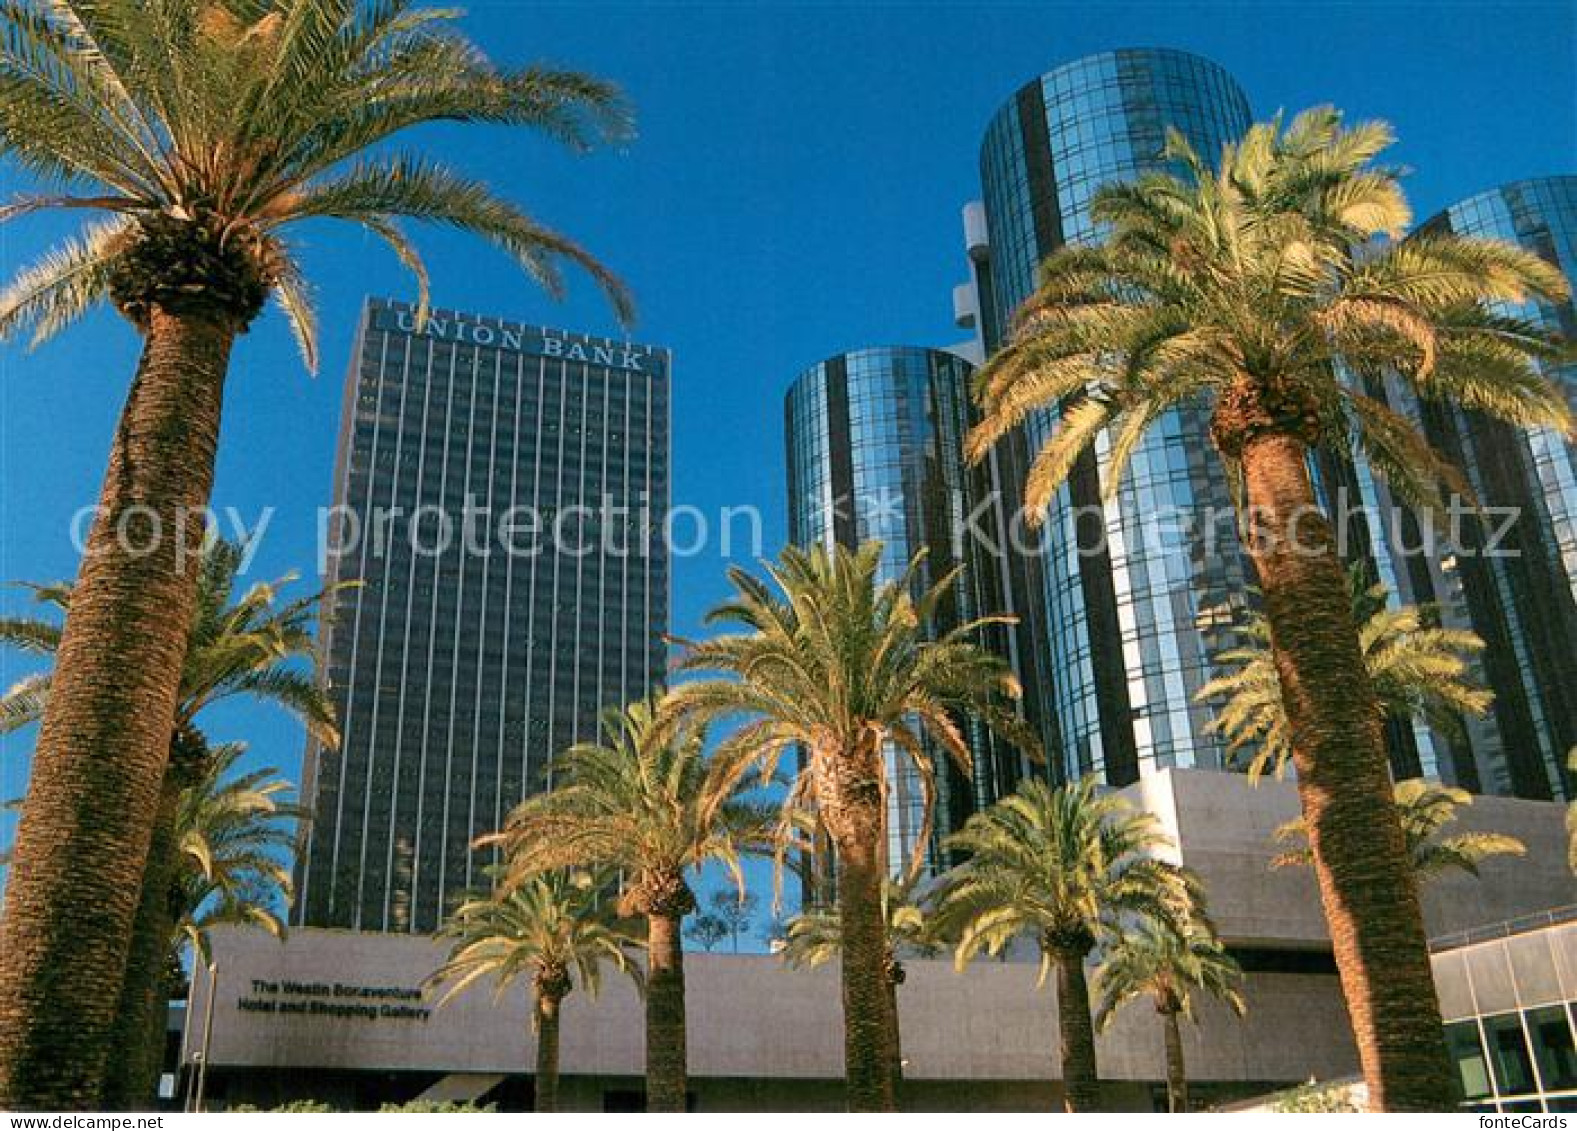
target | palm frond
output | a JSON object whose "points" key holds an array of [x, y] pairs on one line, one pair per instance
{"points": [[64, 285]]}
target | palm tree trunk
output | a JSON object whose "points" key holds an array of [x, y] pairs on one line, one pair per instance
{"points": [[1080, 1079], [849, 797], [97, 768], [1366, 882], [1176, 1072], [137, 1041], [667, 1080], [546, 1084], [895, 978]]}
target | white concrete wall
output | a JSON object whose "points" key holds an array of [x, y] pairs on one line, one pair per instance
{"points": [[752, 1018], [1224, 828], [749, 1016]]}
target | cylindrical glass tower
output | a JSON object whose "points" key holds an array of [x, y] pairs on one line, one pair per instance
{"points": [[1121, 605], [1517, 587], [874, 440]]}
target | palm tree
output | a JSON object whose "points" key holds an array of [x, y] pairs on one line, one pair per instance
{"points": [[1168, 966], [648, 803], [1425, 808], [1066, 867], [200, 130], [1417, 669], [553, 927], [232, 837], [1259, 290], [235, 833], [838, 666], [239, 646], [814, 937]]}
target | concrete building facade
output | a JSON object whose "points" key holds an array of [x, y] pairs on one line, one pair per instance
{"points": [[340, 1016]]}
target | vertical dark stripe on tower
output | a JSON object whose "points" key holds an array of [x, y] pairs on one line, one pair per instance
{"points": [[1120, 754], [1045, 208], [839, 454], [1542, 608], [791, 467]]}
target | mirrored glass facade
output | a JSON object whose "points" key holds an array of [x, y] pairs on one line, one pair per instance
{"points": [[874, 440], [1121, 605], [495, 496], [1514, 582]]}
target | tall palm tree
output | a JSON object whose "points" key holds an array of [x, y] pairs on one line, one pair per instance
{"points": [[648, 803], [814, 937], [1417, 669], [199, 130], [1169, 966], [553, 927], [233, 835], [1425, 808], [1065, 867], [1255, 289], [250, 646], [837, 664]]}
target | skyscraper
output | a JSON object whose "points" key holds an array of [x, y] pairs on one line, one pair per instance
{"points": [[1119, 616], [499, 492], [875, 441], [1513, 583]]}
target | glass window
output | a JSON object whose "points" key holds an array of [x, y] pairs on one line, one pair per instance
{"points": [[1508, 1052], [1468, 1053], [1553, 1047]]}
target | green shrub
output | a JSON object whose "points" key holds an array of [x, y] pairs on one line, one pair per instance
{"points": [[294, 1107], [1313, 1097], [430, 1107]]}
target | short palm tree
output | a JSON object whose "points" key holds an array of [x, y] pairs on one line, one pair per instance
{"points": [[649, 804], [838, 664], [200, 130], [248, 645], [814, 937], [1259, 290], [1417, 669], [1425, 808], [1065, 867], [235, 831], [1169, 965], [554, 928]]}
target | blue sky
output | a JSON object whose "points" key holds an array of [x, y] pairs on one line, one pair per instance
{"points": [[794, 191]]}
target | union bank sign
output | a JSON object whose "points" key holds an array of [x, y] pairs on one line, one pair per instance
{"points": [[515, 337]]}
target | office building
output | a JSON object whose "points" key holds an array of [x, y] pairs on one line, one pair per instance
{"points": [[498, 495], [1512, 577], [874, 440], [1119, 613]]}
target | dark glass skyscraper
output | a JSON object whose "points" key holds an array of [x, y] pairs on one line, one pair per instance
{"points": [[499, 492], [1119, 613], [875, 441], [1517, 592]]}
